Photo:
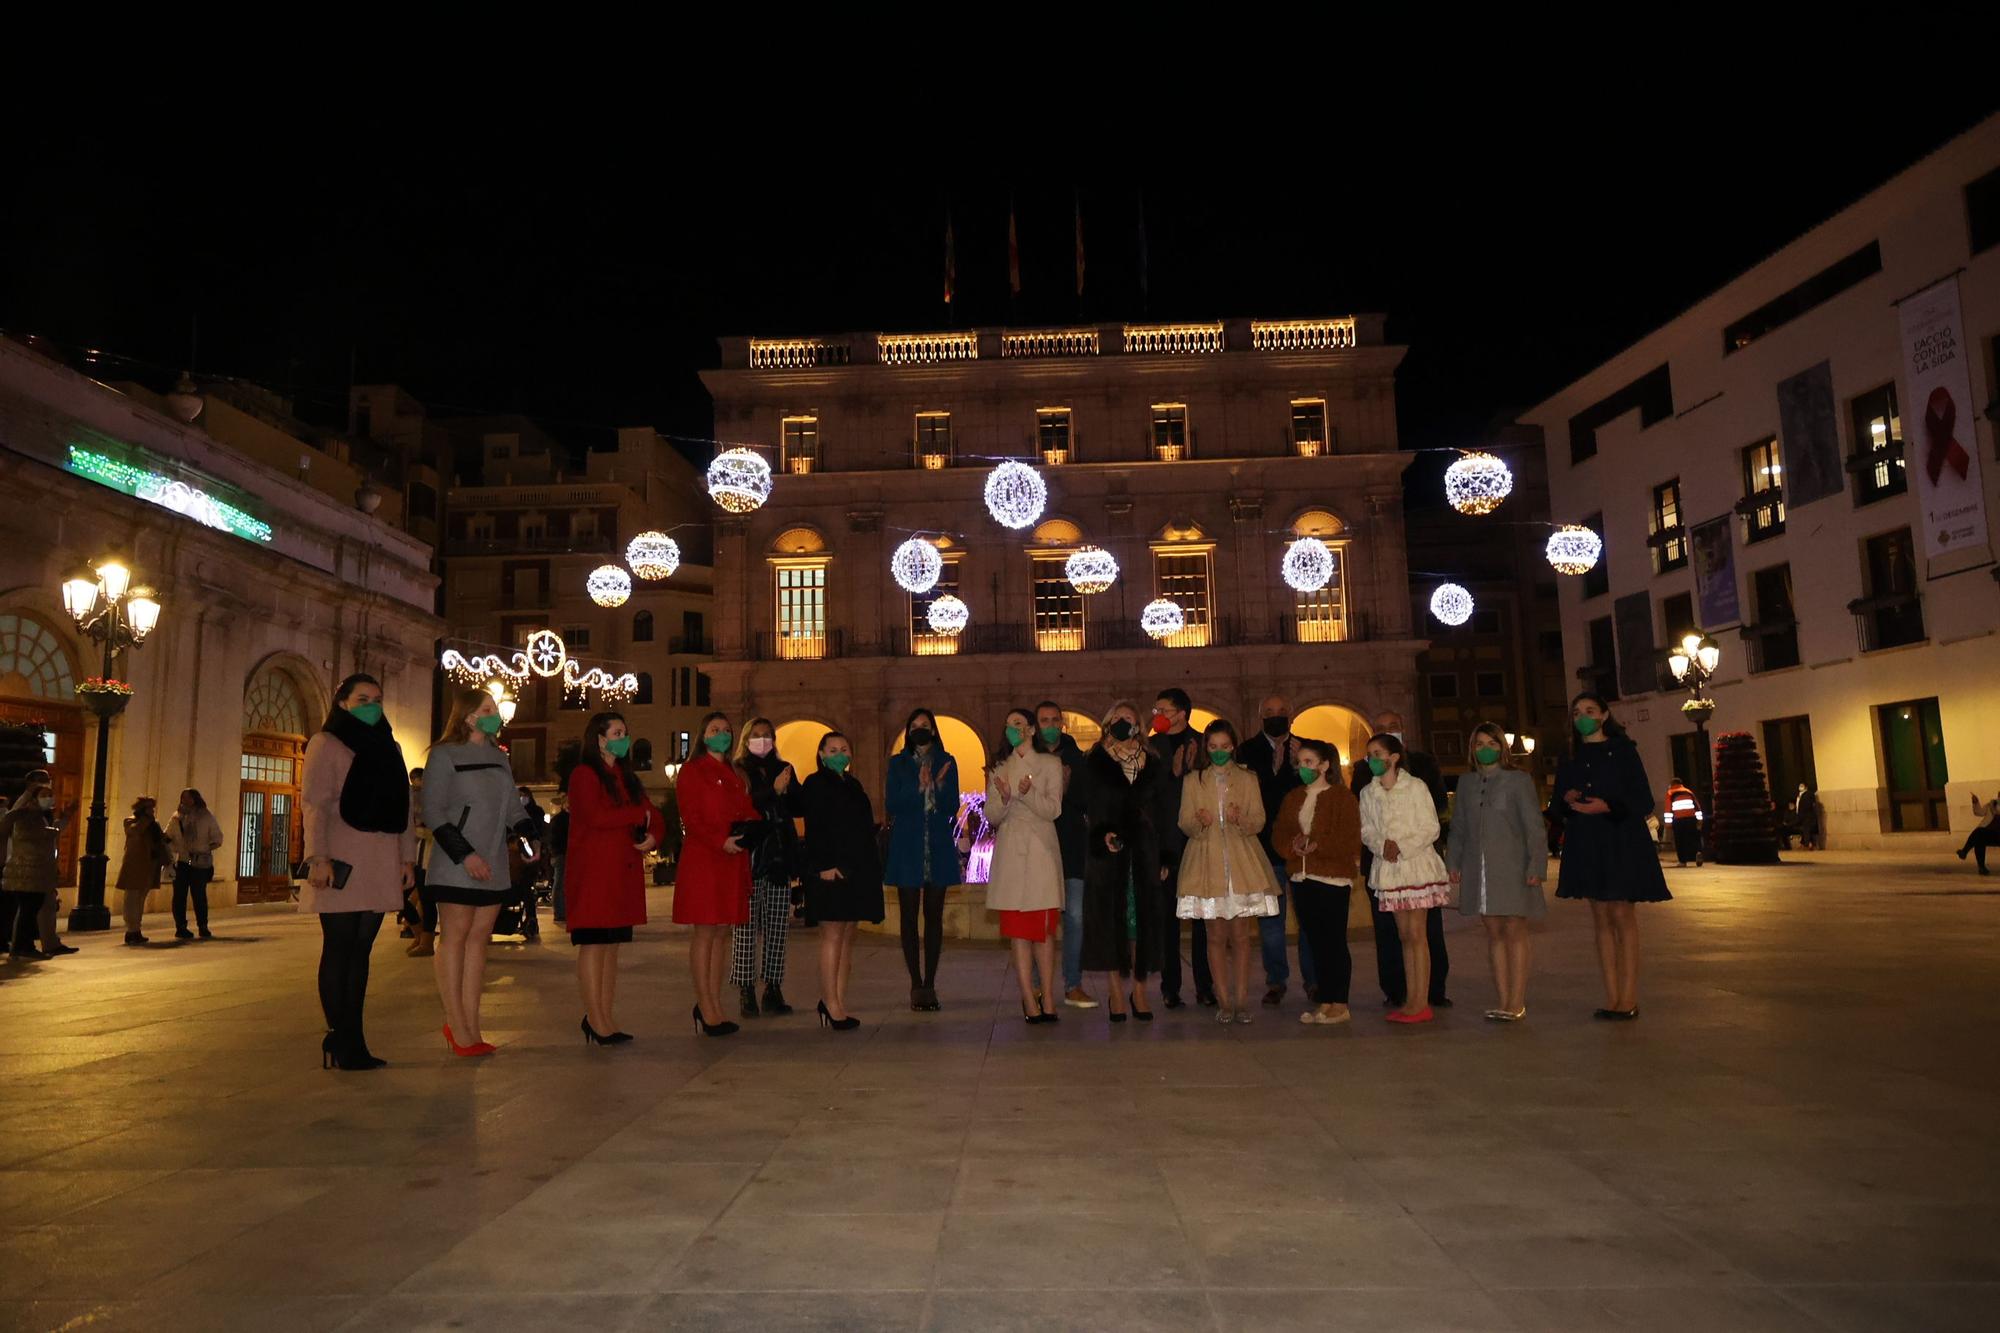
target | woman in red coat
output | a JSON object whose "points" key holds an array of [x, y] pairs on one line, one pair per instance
{"points": [[712, 881], [611, 828]]}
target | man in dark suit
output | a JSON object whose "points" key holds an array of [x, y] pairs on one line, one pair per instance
{"points": [[1388, 950], [1177, 748], [1273, 755]]}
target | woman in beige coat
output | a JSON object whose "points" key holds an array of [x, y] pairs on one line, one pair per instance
{"points": [[1226, 879], [1024, 791], [139, 871]]}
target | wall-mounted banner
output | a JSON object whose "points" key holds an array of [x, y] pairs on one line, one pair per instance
{"points": [[1713, 545], [1943, 449], [1638, 663], [134, 472], [1813, 468]]}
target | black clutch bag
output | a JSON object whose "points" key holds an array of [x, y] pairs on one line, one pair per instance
{"points": [[341, 871], [748, 831]]}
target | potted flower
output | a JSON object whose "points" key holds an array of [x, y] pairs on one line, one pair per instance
{"points": [[104, 696], [1698, 710]]}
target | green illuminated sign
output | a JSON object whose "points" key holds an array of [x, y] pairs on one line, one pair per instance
{"points": [[168, 493]]}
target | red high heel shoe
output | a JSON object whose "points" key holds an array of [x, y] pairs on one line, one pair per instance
{"points": [[477, 1048], [1423, 1015]]}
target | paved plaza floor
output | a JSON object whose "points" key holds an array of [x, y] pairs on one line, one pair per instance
{"points": [[1798, 1134]]}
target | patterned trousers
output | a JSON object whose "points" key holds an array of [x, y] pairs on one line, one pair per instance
{"points": [[770, 912]]}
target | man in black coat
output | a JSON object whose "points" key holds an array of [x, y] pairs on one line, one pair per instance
{"points": [[1388, 950], [1053, 730], [1177, 747], [1273, 755]]}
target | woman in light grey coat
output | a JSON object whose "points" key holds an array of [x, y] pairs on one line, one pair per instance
{"points": [[1498, 857], [471, 807]]}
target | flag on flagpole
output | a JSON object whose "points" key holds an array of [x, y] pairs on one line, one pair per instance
{"points": [[950, 260], [1013, 254], [1079, 245], [1144, 283]]}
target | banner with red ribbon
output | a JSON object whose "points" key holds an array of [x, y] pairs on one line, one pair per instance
{"points": [[1951, 498]]}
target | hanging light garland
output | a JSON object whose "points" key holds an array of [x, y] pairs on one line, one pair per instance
{"points": [[1091, 570], [653, 555], [1015, 494], [948, 615], [1574, 549], [916, 566], [609, 586], [1308, 564], [1162, 618], [479, 669], [1451, 604], [1477, 483], [739, 480], [612, 689]]}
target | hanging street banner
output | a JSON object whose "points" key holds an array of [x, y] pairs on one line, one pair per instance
{"points": [[1943, 449], [1713, 546]]}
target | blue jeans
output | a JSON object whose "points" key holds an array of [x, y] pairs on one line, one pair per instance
{"points": [[1072, 931], [1272, 930]]}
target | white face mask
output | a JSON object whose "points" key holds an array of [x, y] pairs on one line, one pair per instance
{"points": [[1397, 734], [760, 745]]}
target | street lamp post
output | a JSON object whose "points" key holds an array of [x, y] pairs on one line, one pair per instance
{"points": [[110, 610], [1693, 663]]}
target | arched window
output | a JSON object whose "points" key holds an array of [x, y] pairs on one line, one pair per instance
{"points": [[645, 694], [642, 627], [30, 650], [272, 706]]}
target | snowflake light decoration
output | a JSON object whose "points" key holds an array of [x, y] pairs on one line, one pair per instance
{"points": [[1308, 564], [739, 480], [609, 586], [916, 566], [1573, 549], [948, 615], [1477, 483], [1162, 618], [1091, 570], [1015, 494], [1451, 604], [653, 555], [546, 652]]}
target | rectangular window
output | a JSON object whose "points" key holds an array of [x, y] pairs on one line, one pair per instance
{"points": [[1309, 438], [1877, 464], [1322, 615], [576, 638], [1676, 623], [1052, 435], [683, 745], [1489, 684], [1814, 291], [799, 444], [933, 443], [480, 528], [1788, 755], [1913, 764], [1181, 576], [1058, 607], [1597, 580], [534, 528], [1170, 432], [583, 523], [701, 689], [925, 641], [1601, 672], [1668, 538], [1485, 620], [1551, 641], [1774, 639], [1652, 394], [1982, 211], [1763, 505], [1891, 614], [1450, 744], [1443, 684], [801, 609]]}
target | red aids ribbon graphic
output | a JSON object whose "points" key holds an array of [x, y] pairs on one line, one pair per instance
{"points": [[1940, 415]]}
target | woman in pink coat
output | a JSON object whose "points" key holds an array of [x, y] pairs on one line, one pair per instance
{"points": [[361, 855]]}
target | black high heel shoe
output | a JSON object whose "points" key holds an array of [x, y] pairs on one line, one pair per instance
{"points": [[708, 1029], [591, 1037], [336, 1054], [827, 1020]]}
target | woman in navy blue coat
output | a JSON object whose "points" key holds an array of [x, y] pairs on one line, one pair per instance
{"points": [[1608, 855], [923, 857]]}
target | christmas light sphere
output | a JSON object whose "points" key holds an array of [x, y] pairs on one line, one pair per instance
{"points": [[1574, 549], [1308, 564], [1015, 494], [652, 555], [916, 565], [739, 480], [608, 585], [1451, 604], [1162, 618], [1091, 570], [1477, 483], [948, 615]]}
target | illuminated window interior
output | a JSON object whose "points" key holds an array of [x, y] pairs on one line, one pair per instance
{"points": [[1878, 440], [1321, 616], [925, 641], [799, 444], [1052, 435], [933, 440], [1170, 432], [1181, 576], [1671, 552], [1764, 470], [1309, 427], [801, 606], [1059, 626]]}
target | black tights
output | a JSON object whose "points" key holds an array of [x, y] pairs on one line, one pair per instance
{"points": [[932, 898], [346, 940]]}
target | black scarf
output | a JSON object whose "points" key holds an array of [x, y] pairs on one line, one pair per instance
{"points": [[376, 796]]}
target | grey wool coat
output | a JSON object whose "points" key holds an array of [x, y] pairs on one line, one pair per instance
{"points": [[470, 805], [1497, 844]]}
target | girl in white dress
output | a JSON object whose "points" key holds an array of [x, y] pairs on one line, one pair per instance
{"points": [[1226, 877], [1400, 825]]}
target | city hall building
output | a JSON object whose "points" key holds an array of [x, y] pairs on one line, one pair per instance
{"points": [[1802, 467]]}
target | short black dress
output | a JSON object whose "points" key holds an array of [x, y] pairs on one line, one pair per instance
{"points": [[840, 835], [1608, 858]]}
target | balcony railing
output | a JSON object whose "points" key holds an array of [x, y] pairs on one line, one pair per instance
{"points": [[918, 349], [784, 646], [1888, 621], [593, 545], [796, 353], [1771, 646], [1112, 636], [1049, 342], [1174, 339], [1301, 335]]}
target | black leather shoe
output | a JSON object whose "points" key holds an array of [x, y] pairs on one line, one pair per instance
{"points": [[1206, 1001], [1173, 1001], [774, 999], [747, 1001]]}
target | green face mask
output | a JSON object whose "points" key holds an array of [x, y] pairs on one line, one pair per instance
{"points": [[619, 748], [1308, 775], [1377, 766], [490, 724], [718, 743], [1050, 735], [1486, 754], [1218, 757], [836, 762], [1587, 726], [367, 714], [1014, 736]]}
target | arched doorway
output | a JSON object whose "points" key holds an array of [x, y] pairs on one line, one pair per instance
{"points": [[1331, 722], [798, 745], [38, 692], [962, 743], [269, 823]]}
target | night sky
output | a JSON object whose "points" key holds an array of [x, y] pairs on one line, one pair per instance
{"points": [[582, 280]]}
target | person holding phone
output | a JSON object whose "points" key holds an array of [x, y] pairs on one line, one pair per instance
{"points": [[1123, 930], [1608, 858], [712, 884], [611, 828], [842, 867], [29, 832], [471, 808], [361, 855]]}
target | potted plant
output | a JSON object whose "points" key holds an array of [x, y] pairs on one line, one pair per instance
{"points": [[104, 696]]}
